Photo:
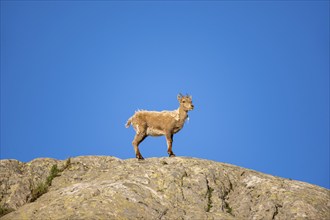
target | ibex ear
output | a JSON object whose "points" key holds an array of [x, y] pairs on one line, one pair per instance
{"points": [[190, 97]]}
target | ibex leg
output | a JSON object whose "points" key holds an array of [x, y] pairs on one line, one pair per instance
{"points": [[137, 140], [169, 140]]}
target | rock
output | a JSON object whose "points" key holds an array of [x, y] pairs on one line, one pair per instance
{"points": [[17, 179], [104, 187]]}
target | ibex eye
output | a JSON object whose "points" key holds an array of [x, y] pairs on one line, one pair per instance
{"points": [[184, 101]]}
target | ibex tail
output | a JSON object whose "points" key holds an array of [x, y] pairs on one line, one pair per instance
{"points": [[129, 122]]}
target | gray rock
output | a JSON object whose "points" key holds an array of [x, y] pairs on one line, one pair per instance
{"points": [[102, 187]]}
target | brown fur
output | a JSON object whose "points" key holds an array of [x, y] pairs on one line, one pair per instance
{"points": [[167, 123]]}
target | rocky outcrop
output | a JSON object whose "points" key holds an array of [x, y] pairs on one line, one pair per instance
{"points": [[101, 187]]}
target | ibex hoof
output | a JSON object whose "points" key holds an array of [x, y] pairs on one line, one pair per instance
{"points": [[140, 158], [171, 155]]}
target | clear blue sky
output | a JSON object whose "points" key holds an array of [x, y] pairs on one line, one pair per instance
{"points": [[73, 72]]}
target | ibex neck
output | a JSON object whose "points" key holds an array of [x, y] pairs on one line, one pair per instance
{"points": [[182, 114]]}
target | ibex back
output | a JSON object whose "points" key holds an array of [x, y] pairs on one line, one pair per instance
{"points": [[167, 123]]}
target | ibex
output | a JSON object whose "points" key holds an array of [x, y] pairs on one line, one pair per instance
{"points": [[153, 123]]}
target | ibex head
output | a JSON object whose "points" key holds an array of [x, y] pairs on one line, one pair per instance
{"points": [[185, 102]]}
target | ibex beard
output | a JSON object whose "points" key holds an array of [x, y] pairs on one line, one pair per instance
{"points": [[153, 123]]}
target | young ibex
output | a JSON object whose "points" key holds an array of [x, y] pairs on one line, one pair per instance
{"points": [[154, 123]]}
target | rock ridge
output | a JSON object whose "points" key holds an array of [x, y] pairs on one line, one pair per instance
{"points": [[105, 187]]}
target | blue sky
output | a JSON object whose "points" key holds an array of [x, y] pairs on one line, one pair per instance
{"points": [[73, 72]]}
